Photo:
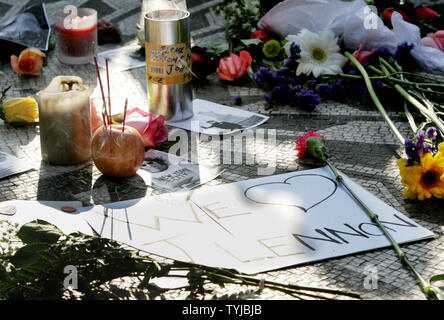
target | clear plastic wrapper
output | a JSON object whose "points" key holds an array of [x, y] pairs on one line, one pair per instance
{"points": [[353, 22], [65, 121], [152, 5]]}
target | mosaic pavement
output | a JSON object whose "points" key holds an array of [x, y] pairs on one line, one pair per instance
{"points": [[359, 141]]}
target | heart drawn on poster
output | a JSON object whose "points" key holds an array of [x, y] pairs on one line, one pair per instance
{"points": [[304, 191]]}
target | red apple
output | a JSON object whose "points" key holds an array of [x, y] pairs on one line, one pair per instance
{"points": [[117, 154]]}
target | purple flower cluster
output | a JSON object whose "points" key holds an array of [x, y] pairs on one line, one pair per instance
{"points": [[281, 84], [333, 91], [373, 60], [268, 80], [295, 54], [297, 97], [414, 150], [306, 100], [404, 56], [237, 100]]}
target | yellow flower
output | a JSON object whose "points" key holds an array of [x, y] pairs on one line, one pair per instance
{"points": [[20, 110], [424, 180], [441, 154]]}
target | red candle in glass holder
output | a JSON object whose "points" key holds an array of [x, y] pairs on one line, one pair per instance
{"points": [[76, 35]]}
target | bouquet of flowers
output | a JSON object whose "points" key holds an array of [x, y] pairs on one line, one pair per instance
{"points": [[300, 63]]}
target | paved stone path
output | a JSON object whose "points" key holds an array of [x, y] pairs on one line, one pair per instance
{"points": [[360, 144]]}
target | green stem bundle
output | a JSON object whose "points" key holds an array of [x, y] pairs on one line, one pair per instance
{"points": [[415, 94], [375, 98]]}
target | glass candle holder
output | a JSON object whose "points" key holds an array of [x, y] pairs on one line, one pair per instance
{"points": [[76, 35], [65, 121]]}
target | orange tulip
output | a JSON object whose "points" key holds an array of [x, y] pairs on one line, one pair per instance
{"points": [[30, 61], [234, 67]]}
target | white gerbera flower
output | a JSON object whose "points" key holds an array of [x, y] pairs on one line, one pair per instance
{"points": [[319, 52]]}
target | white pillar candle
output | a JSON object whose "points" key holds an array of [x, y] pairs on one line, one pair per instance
{"points": [[65, 121]]}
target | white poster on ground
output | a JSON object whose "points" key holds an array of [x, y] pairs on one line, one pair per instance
{"points": [[22, 212], [256, 225]]}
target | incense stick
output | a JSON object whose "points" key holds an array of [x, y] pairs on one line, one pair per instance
{"points": [[109, 93], [124, 114], [100, 82]]}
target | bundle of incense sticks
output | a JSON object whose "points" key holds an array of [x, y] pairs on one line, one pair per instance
{"points": [[106, 114]]}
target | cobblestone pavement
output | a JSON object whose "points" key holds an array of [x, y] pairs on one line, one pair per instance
{"points": [[360, 143]]}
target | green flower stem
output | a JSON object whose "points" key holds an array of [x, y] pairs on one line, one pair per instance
{"points": [[232, 276], [428, 113], [389, 78], [419, 76], [351, 76], [424, 110], [375, 70], [374, 97], [375, 219]]}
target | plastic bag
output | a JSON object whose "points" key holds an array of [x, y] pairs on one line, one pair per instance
{"points": [[353, 22], [291, 16]]}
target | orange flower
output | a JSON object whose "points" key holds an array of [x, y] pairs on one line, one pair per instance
{"points": [[30, 61], [234, 67]]}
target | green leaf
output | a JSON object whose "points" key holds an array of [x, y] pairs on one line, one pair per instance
{"points": [[220, 49], [39, 232], [28, 255], [439, 277], [3, 273], [251, 42], [271, 65]]}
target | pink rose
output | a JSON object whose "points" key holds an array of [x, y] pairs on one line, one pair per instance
{"points": [[151, 128], [361, 55], [435, 41]]}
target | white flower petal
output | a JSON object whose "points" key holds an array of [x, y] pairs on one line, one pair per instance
{"points": [[327, 42]]}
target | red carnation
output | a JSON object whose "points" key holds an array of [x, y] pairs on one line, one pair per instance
{"points": [[301, 143], [260, 34], [387, 15], [426, 13]]}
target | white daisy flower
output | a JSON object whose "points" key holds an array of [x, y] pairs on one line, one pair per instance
{"points": [[319, 52]]}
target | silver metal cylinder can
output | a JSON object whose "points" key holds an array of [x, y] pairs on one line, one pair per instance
{"points": [[168, 63]]}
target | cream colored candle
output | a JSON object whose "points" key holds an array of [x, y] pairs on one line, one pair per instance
{"points": [[65, 121]]}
